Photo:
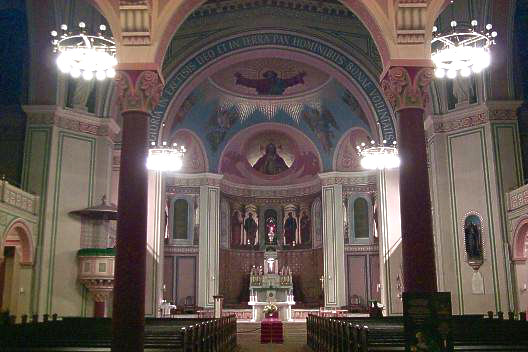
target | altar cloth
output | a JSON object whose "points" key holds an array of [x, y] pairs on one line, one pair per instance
{"points": [[271, 331]]}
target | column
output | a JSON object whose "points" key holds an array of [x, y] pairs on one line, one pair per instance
{"points": [[333, 241], [209, 241], [138, 92], [406, 88]]}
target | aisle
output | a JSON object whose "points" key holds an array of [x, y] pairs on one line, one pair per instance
{"points": [[294, 338]]}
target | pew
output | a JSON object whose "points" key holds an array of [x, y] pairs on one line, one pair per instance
{"points": [[470, 333], [95, 334]]}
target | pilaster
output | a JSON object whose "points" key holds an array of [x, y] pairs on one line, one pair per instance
{"points": [[209, 248], [333, 241]]}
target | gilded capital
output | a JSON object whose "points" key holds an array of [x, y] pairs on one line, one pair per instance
{"points": [[138, 90], [407, 87]]}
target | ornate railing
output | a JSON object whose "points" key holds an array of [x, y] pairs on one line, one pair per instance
{"points": [[18, 198], [518, 198]]}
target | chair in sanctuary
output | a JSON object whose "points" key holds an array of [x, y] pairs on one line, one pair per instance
{"points": [[189, 307]]}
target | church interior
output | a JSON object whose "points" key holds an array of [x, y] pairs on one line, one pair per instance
{"points": [[270, 213]]}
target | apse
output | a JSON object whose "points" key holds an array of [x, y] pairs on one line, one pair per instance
{"points": [[298, 108]]}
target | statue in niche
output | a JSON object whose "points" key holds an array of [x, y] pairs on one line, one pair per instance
{"points": [[290, 229], [271, 226], [236, 229], [306, 226], [270, 84], [250, 226], [473, 239], [271, 163]]}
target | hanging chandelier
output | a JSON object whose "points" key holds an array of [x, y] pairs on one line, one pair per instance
{"points": [[165, 158], [462, 50], [378, 156], [84, 55]]}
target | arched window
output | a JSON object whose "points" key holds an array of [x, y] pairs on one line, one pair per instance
{"points": [[361, 219], [180, 220]]}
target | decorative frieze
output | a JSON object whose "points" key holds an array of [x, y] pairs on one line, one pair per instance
{"points": [[371, 248], [72, 121], [180, 249], [348, 178], [475, 116]]}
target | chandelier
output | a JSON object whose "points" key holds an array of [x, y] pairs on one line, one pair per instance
{"points": [[463, 50], [378, 157], [165, 158], [84, 55]]}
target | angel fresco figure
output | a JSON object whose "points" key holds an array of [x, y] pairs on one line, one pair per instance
{"points": [[271, 163], [270, 84], [321, 123]]}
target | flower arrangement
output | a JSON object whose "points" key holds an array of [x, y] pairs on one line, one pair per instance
{"points": [[270, 308]]}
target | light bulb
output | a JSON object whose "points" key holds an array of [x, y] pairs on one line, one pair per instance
{"points": [[435, 28], [493, 34], [75, 72], [87, 75], [453, 23], [100, 75], [451, 73], [110, 73], [82, 24], [64, 27], [489, 26], [474, 23], [440, 73], [102, 27], [54, 33], [465, 72]]}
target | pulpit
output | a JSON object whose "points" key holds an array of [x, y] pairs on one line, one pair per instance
{"points": [[269, 284]]}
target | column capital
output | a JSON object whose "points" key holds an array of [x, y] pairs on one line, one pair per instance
{"points": [[138, 90], [407, 86]]}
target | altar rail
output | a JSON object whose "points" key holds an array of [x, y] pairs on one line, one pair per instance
{"points": [[95, 334], [470, 333]]}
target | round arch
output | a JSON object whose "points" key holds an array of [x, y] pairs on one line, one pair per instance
{"points": [[369, 12], [520, 236], [278, 44], [18, 234]]}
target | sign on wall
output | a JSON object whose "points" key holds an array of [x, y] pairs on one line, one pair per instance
{"points": [[427, 319]]}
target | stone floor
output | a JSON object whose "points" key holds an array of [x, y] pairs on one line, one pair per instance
{"points": [[294, 338]]}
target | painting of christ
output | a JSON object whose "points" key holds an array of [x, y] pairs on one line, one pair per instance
{"points": [[271, 163]]}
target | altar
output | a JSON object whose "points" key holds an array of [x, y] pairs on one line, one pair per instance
{"points": [[268, 285]]}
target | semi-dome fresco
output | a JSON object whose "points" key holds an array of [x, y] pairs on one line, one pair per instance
{"points": [[314, 110], [270, 154]]}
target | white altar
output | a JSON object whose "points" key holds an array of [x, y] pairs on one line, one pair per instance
{"points": [[268, 284]]}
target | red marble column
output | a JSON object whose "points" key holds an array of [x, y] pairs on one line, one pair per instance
{"points": [[138, 92], [406, 88]]}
